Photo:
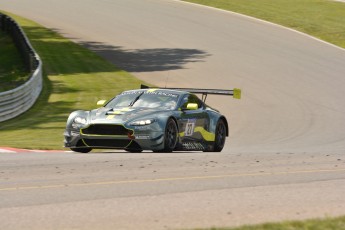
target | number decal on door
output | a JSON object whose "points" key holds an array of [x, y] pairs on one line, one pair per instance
{"points": [[189, 129]]}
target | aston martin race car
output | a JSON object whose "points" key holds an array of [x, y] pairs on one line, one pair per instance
{"points": [[156, 119]]}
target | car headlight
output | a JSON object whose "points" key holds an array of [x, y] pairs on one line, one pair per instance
{"points": [[80, 120], [142, 122]]}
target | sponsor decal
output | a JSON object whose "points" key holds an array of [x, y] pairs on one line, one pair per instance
{"points": [[144, 127], [152, 92], [142, 137], [110, 117], [190, 125]]}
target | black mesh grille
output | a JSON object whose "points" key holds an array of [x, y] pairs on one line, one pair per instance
{"points": [[107, 143], [105, 130]]}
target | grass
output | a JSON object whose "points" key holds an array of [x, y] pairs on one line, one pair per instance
{"points": [[323, 19], [12, 68], [315, 224], [74, 78]]}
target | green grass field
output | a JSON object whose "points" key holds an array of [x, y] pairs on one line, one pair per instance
{"points": [[324, 19], [316, 224], [12, 69], [74, 78]]}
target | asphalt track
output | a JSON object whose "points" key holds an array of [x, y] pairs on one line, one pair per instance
{"points": [[283, 160]]}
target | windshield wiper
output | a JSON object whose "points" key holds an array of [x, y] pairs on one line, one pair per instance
{"points": [[136, 99]]}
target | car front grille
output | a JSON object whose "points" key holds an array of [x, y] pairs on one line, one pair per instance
{"points": [[107, 143], [107, 130]]}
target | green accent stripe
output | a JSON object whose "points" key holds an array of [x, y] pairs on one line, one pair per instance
{"points": [[208, 136], [85, 143]]}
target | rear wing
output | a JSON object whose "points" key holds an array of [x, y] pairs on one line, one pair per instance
{"points": [[236, 93]]}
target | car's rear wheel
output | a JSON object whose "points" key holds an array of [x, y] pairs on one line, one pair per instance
{"points": [[220, 136], [81, 150], [170, 136]]}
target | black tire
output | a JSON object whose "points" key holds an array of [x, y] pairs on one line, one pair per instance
{"points": [[81, 150], [220, 136], [134, 150], [170, 136]]}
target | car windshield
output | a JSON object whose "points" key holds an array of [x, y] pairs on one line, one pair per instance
{"points": [[145, 99]]}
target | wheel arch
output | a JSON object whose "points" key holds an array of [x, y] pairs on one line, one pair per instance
{"points": [[175, 120], [226, 124]]}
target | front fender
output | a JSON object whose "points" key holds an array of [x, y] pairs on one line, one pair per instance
{"points": [[215, 117], [74, 114]]}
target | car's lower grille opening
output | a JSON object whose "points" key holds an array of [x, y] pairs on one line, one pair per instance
{"points": [[107, 143], [104, 129]]}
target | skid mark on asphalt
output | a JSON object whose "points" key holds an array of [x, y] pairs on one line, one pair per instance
{"points": [[169, 179]]}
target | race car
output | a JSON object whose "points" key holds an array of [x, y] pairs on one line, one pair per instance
{"points": [[156, 119]]}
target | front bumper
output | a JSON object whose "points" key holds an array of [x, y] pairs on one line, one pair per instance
{"points": [[115, 137]]}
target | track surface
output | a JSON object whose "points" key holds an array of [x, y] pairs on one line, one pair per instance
{"points": [[284, 158]]}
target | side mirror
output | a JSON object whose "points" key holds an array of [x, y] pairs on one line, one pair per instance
{"points": [[101, 102], [192, 106]]}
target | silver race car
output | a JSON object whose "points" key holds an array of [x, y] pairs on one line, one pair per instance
{"points": [[157, 119]]}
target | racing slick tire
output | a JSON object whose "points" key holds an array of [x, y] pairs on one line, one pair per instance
{"points": [[81, 150], [170, 136], [133, 150], [220, 136]]}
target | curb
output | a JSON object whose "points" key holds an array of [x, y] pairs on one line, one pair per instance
{"points": [[16, 150]]}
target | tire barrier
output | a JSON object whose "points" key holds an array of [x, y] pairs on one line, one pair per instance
{"points": [[16, 101]]}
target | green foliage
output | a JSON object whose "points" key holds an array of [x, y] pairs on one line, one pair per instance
{"points": [[12, 69], [75, 78]]}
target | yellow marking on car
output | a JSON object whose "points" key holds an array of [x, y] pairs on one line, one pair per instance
{"points": [[118, 112], [237, 93], [109, 117], [101, 102], [205, 134], [84, 142], [126, 109], [151, 90], [208, 136]]}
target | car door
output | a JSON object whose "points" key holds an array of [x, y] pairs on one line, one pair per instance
{"points": [[193, 123]]}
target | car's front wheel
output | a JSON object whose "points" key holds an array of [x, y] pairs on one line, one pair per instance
{"points": [[170, 136]]}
